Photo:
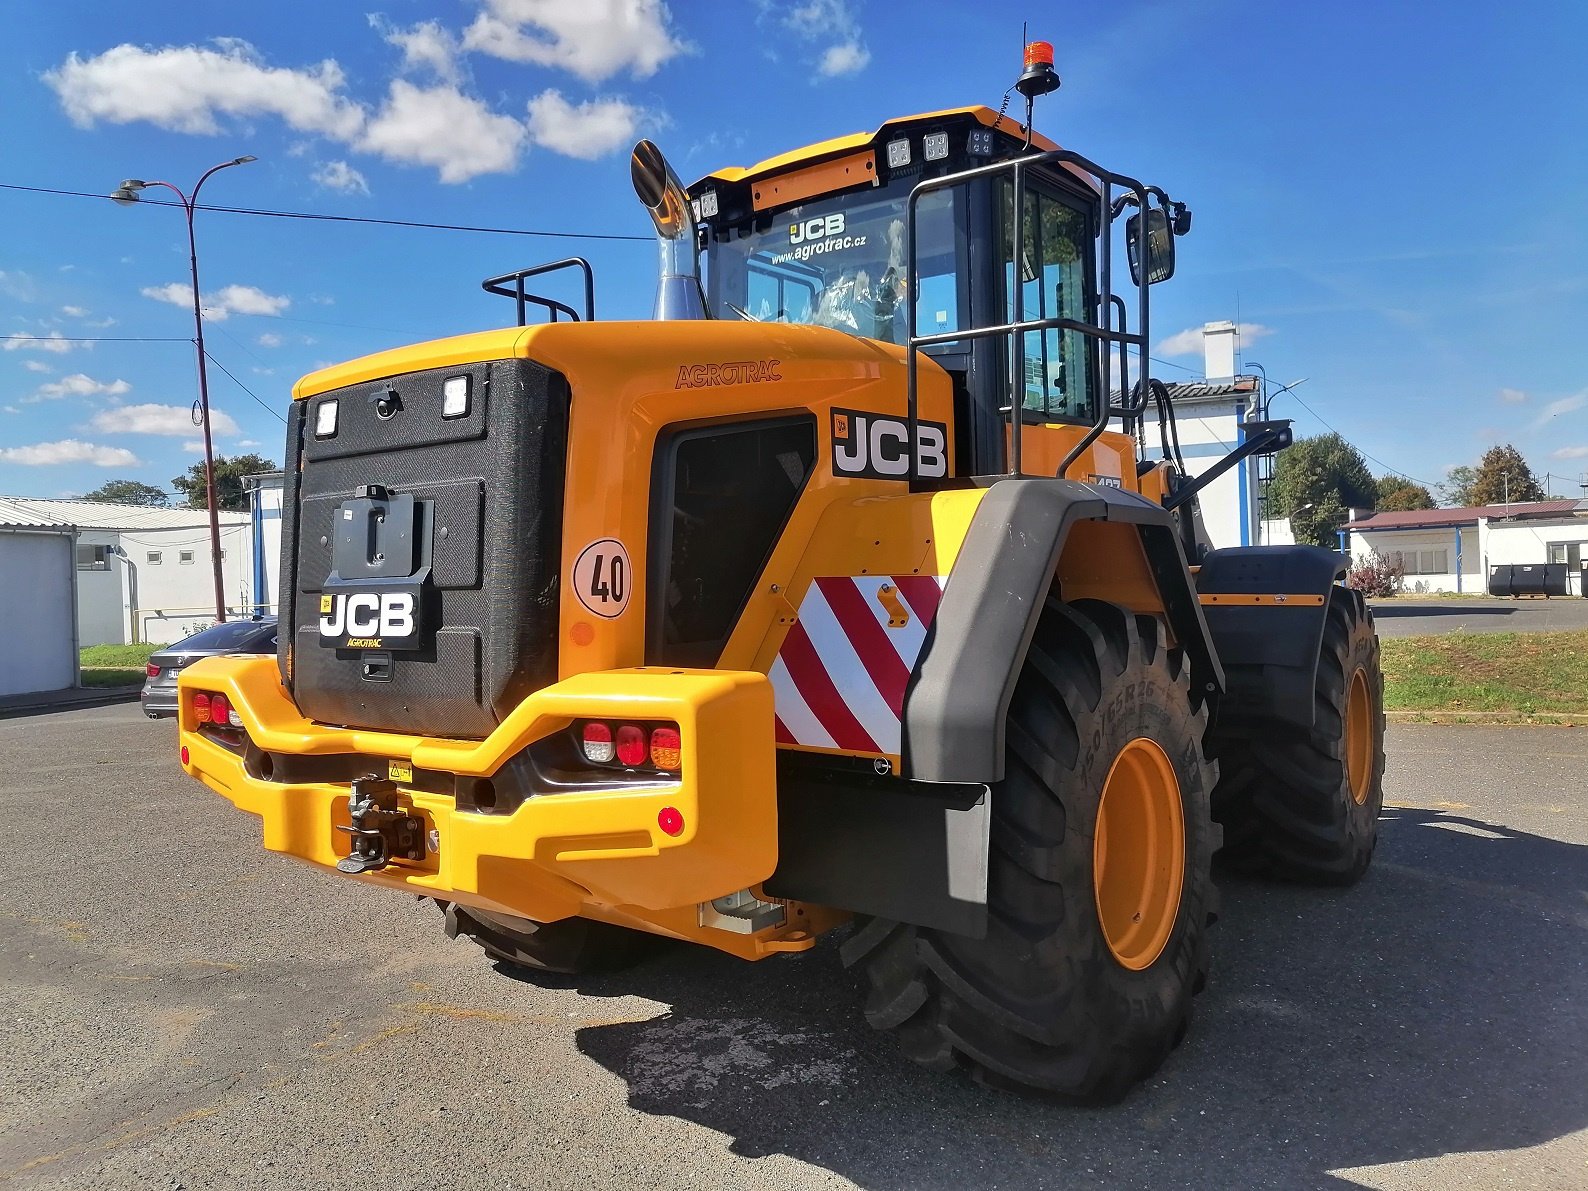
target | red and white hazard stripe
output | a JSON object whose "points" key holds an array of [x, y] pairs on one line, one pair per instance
{"points": [[840, 675]]}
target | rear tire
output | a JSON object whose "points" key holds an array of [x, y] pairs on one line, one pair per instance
{"points": [[1300, 804], [571, 947], [1068, 994]]}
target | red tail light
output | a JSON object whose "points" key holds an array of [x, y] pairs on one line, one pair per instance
{"points": [[667, 751], [596, 740], [220, 709], [631, 745], [201, 707], [151, 670]]}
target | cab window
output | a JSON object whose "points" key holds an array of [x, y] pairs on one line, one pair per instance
{"points": [[1060, 367]]}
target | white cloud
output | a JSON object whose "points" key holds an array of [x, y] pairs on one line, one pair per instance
{"points": [[222, 303], [1570, 453], [79, 385], [844, 59], [1554, 409], [174, 421], [425, 46], [831, 24], [54, 342], [188, 88], [1512, 396], [68, 450], [1189, 341], [590, 130], [36, 366], [73, 311], [250, 442], [11, 409], [270, 339], [196, 447], [444, 128], [594, 39], [339, 176], [17, 284]]}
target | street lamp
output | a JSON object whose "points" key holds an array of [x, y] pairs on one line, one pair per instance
{"points": [[126, 194]]}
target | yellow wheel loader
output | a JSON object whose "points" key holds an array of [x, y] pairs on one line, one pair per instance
{"points": [[844, 593]]}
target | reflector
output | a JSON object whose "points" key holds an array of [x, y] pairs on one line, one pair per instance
{"points": [[670, 821]]}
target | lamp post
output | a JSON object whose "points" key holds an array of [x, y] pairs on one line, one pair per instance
{"points": [[126, 194]]}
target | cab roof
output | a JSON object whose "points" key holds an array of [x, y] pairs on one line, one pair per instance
{"points": [[861, 140]]}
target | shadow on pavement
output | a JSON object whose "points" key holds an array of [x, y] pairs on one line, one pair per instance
{"points": [[1438, 1008], [1453, 609]]}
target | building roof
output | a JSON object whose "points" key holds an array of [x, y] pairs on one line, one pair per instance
{"points": [[89, 514], [1471, 515], [15, 518], [1205, 390]]}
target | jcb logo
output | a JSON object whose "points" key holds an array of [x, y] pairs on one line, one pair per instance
{"points": [[816, 229], [366, 614], [866, 444]]}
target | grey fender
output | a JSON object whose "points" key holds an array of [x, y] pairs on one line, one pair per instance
{"points": [[958, 697], [1270, 653]]}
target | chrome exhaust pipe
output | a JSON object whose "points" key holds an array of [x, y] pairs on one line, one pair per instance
{"points": [[678, 290]]}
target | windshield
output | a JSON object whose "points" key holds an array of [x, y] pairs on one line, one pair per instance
{"points": [[839, 262], [232, 634]]}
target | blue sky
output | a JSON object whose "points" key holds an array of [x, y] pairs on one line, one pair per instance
{"points": [[1388, 196]]}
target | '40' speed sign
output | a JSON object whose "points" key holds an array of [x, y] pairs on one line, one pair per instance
{"points": [[602, 578]]}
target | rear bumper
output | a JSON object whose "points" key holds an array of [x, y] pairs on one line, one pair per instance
{"points": [[602, 854], [159, 700]]}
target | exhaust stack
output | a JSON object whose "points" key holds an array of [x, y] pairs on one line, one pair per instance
{"points": [[678, 291]]}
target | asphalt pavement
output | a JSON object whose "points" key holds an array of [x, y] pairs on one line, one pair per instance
{"points": [[179, 1009], [1411, 617]]}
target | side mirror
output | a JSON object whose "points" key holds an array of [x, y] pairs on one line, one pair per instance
{"points": [[1160, 246]]}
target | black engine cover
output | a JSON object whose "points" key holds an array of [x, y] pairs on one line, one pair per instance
{"points": [[486, 491]]}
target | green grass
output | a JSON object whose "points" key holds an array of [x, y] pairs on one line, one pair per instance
{"points": [[1519, 676], [118, 655], [111, 676]]}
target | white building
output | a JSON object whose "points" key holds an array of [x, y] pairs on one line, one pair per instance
{"points": [[38, 634], [1455, 549], [144, 572], [1210, 416]]}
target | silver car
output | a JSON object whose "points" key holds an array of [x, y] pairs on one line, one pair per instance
{"points": [[234, 636]]}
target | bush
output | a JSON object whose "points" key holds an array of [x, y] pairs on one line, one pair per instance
{"points": [[1375, 576]]}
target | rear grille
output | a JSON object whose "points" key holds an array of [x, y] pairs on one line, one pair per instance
{"points": [[487, 520]]}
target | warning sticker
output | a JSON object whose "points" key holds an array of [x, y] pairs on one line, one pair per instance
{"points": [[602, 578]]}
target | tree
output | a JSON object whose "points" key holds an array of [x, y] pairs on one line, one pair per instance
{"points": [[1504, 477], [229, 492], [1316, 481], [1456, 491], [127, 492], [1398, 494]]}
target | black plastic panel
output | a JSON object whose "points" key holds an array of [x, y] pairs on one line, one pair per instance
{"points": [[488, 526]]}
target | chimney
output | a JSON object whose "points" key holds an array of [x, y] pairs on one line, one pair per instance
{"points": [[1218, 350]]}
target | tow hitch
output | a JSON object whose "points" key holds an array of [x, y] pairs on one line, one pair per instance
{"points": [[382, 831]]}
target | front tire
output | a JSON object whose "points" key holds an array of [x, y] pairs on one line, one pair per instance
{"points": [[1098, 893], [1303, 804]]}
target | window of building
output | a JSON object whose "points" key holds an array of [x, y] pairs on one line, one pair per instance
{"points": [[153, 558], [1422, 562], [93, 558], [185, 557], [1569, 553]]}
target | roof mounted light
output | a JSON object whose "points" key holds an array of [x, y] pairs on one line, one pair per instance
{"points": [[899, 153], [935, 147], [1039, 77]]}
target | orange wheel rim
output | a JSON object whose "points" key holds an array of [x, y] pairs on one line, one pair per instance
{"points": [[1138, 854], [1359, 737]]}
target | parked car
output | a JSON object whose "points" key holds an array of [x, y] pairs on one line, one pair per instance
{"points": [[233, 636]]}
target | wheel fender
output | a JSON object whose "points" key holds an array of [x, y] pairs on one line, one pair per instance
{"points": [[1269, 653], [958, 698]]}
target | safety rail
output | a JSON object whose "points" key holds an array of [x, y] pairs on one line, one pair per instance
{"points": [[1019, 325], [511, 285]]}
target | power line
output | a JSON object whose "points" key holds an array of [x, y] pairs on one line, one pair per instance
{"points": [[244, 387], [101, 339], [321, 217], [1392, 470]]}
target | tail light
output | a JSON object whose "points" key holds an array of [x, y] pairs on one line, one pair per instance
{"points": [[631, 746], [201, 707], [151, 670], [597, 743], [220, 710], [667, 751]]}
